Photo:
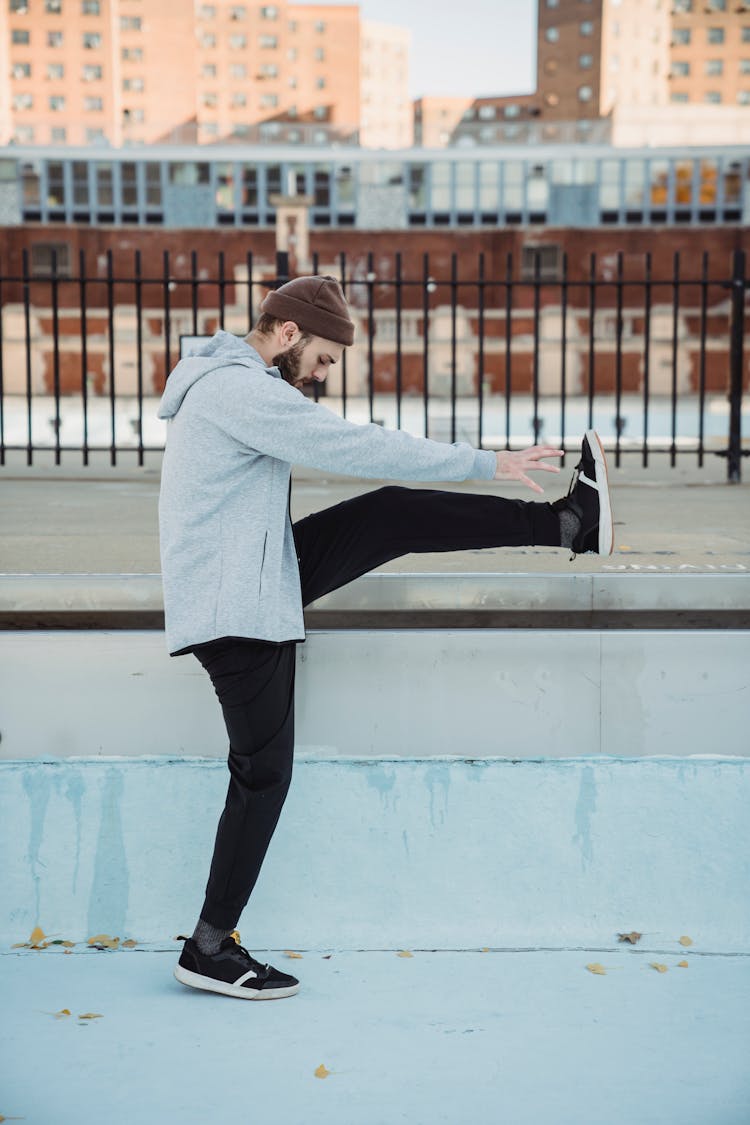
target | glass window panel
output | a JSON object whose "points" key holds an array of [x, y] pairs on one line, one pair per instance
{"points": [[609, 185], [225, 187], [31, 185], [537, 189], [489, 188], [732, 183], [513, 185], [683, 185], [658, 182], [441, 186], [188, 173], [129, 187], [708, 181], [417, 187], [465, 186], [273, 179], [55, 185], [345, 186], [153, 185], [322, 185], [81, 182], [249, 185], [104, 185]]}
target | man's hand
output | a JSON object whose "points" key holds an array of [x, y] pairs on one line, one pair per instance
{"points": [[515, 465]]}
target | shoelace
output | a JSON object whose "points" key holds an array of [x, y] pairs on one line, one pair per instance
{"points": [[243, 954]]}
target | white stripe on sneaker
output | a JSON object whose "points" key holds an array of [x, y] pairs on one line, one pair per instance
{"points": [[249, 975]]}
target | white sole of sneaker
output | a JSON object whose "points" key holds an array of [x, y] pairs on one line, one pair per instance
{"points": [[606, 530], [207, 984]]}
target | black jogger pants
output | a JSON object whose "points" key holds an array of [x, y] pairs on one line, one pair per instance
{"points": [[254, 680]]}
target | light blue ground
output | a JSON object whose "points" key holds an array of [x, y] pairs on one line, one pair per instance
{"points": [[461, 1038]]}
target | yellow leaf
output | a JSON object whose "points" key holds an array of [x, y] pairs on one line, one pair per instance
{"points": [[485, 949], [596, 968], [90, 1016], [632, 937], [20, 945], [404, 953], [291, 953], [68, 944], [61, 1013], [682, 964], [129, 944], [105, 940], [659, 968], [236, 935], [684, 940], [37, 935], [321, 1072]]}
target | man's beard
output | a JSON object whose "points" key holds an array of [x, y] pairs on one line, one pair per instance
{"points": [[289, 362]]}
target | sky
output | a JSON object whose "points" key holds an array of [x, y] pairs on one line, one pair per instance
{"points": [[491, 49]]}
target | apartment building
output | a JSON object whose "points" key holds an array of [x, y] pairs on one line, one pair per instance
{"points": [[386, 119], [710, 53], [124, 72]]}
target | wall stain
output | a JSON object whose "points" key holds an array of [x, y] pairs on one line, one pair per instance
{"points": [[585, 808], [108, 900], [36, 783]]}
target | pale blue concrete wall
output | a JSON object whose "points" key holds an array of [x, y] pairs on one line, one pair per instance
{"points": [[384, 853]]}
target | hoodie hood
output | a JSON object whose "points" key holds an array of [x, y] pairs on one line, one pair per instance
{"points": [[222, 350]]}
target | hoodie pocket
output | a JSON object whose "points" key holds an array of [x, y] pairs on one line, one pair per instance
{"points": [[262, 564]]}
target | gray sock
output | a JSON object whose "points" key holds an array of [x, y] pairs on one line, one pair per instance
{"points": [[570, 525], [208, 938]]}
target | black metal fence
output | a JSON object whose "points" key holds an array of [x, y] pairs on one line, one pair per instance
{"points": [[518, 350]]}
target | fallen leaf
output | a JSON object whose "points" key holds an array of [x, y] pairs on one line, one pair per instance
{"points": [[90, 1016], [236, 935], [404, 953], [61, 1013], [67, 951], [129, 944], [632, 937], [20, 945], [291, 953], [327, 956], [68, 944], [684, 940], [485, 949], [37, 935], [104, 941], [321, 1072], [682, 964], [659, 968], [595, 967]]}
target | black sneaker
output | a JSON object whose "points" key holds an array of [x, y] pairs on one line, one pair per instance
{"points": [[232, 972], [588, 497]]}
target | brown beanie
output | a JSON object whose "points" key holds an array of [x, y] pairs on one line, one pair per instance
{"points": [[316, 304]]}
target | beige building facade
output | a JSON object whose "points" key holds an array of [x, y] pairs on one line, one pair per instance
{"points": [[386, 119]]}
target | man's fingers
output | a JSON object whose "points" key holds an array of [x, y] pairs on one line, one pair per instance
{"points": [[530, 483]]}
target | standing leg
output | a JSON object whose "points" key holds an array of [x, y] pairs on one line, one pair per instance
{"points": [[342, 542], [254, 681]]}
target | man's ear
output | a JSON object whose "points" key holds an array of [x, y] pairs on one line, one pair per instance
{"points": [[289, 333]]}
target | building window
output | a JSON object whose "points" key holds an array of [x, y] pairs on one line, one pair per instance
{"points": [[682, 5], [130, 23], [320, 26], [512, 111], [553, 3], [43, 254], [23, 134], [54, 39], [207, 12], [712, 97], [209, 129], [681, 36], [679, 99], [585, 62], [268, 41], [20, 37], [716, 5], [292, 25], [91, 40], [91, 73], [320, 54], [132, 54], [291, 82], [237, 42], [321, 112], [269, 101], [744, 66], [238, 13], [269, 12], [239, 99], [552, 35], [210, 100], [90, 8], [208, 70], [208, 40], [585, 93], [239, 70], [93, 136], [57, 103], [716, 34], [714, 67], [21, 7], [132, 84], [743, 97], [23, 101], [131, 115], [93, 105], [58, 134], [54, 7], [487, 112], [292, 54], [587, 28], [745, 36], [680, 69], [22, 70], [189, 174], [320, 83]]}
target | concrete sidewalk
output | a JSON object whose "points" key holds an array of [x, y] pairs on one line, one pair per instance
{"points": [[438, 1038], [104, 521]]}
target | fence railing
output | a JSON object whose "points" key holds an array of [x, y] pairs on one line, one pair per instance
{"points": [[494, 353]]}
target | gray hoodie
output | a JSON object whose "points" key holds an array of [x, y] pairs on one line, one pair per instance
{"points": [[234, 427]]}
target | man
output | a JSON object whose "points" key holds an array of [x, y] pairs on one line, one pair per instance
{"points": [[236, 572]]}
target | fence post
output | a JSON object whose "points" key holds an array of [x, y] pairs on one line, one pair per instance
{"points": [[282, 267], [739, 284]]}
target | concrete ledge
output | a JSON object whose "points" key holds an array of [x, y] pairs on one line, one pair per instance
{"points": [[381, 854], [425, 600]]}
